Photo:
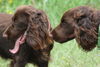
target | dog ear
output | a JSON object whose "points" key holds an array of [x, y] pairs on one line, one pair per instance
{"points": [[85, 31], [35, 43]]}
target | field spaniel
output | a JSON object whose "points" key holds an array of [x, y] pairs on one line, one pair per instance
{"points": [[25, 37], [81, 23]]}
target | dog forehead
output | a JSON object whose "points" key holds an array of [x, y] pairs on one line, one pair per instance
{"points": [[25, 8], [82, 8]]}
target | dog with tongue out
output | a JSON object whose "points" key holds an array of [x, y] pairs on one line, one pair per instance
{"points": [[19, 41], [25, 37]]}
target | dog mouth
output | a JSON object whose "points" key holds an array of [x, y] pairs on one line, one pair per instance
{"points": [[19, 41], [63, 39]]}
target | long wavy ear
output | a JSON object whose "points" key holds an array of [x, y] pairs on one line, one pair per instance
{"points": [[86, 31]]}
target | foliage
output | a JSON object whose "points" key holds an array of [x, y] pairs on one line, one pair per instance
{"points": [[62, 55]]}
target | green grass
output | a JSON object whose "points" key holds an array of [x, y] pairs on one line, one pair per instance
{"points": [[98, 45], [62, 55]]}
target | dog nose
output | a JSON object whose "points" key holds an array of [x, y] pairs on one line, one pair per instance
{"points": [[55, 36]]}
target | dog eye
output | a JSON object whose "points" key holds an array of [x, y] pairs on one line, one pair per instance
{"points": [[63, 23], [39, 14]]}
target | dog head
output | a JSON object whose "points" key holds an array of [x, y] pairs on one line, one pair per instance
{"points": [[80, 23]]}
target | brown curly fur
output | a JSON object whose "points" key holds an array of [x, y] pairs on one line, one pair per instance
{"points": [[38, 43], [82, 22]]}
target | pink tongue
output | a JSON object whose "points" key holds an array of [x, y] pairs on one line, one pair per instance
{"points": [[19, 41]]}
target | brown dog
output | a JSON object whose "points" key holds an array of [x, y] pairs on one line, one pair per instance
{"points": [[80, 23], [25, 37]]}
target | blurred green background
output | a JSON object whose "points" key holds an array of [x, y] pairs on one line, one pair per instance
{"points": [[62, 55]]}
